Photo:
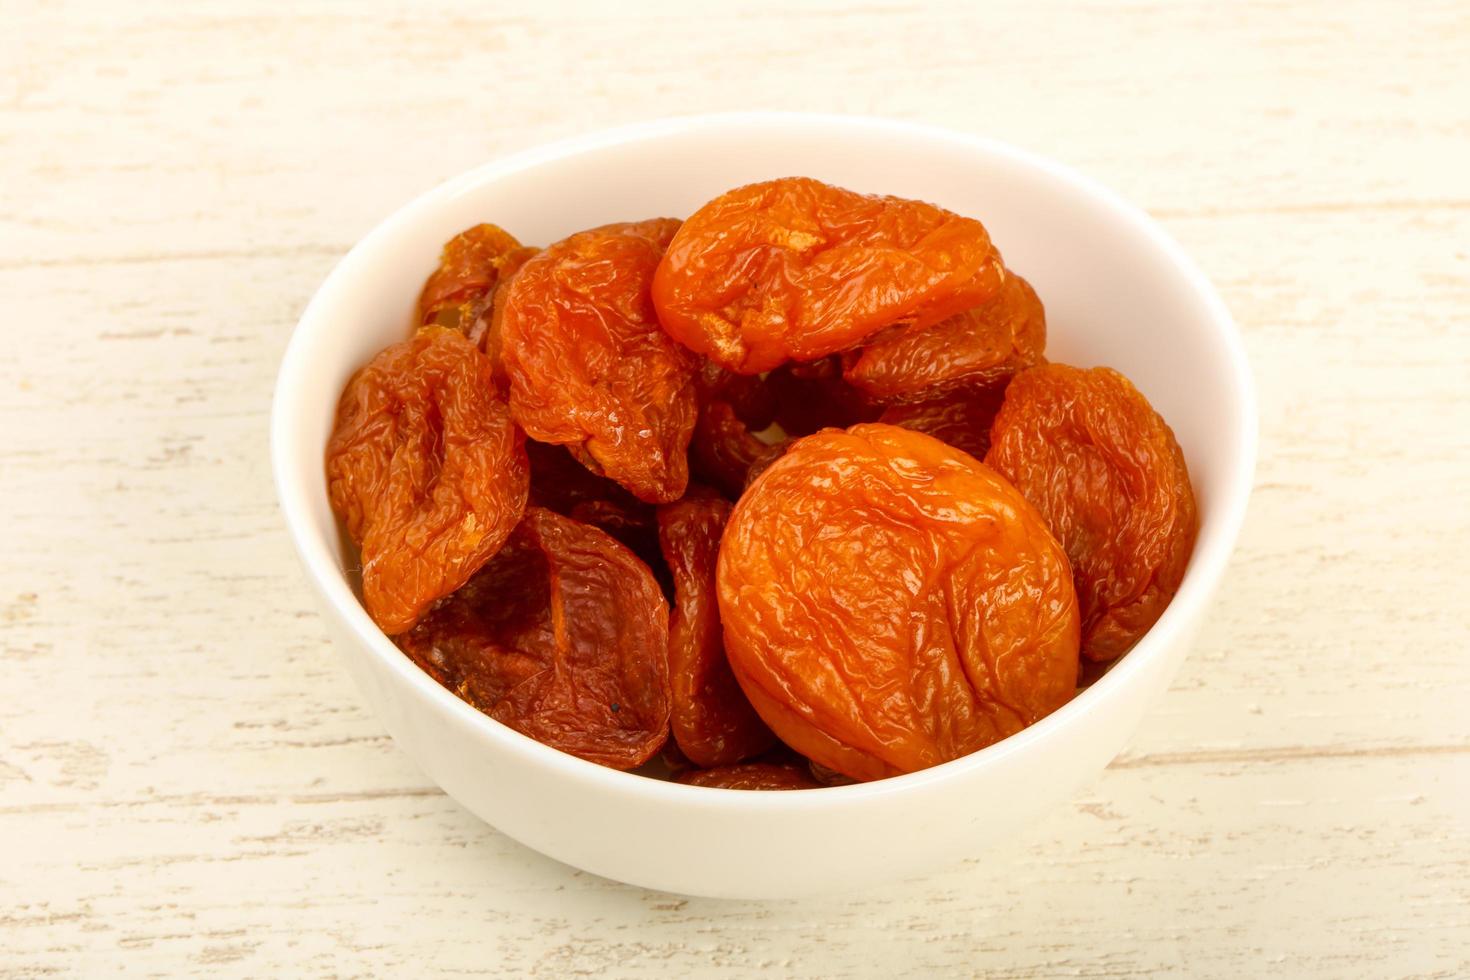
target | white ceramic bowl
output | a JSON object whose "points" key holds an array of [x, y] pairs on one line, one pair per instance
{"points": [[1118, 292]]}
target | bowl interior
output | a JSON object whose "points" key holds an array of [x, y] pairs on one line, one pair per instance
{"points": [[1117, 291]]}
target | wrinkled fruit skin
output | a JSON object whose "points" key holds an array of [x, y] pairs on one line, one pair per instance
{"points": [[713, 723], [564, 637], [460, 291], [427, 471], [752, 775], [723, 451], [589, 366], [560, 483], [1087, 449], [890, 603], [960, 418], [484, 332], [795, 269], [980, 347]]}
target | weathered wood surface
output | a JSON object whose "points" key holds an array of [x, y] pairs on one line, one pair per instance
{"points": [[189, 786]]}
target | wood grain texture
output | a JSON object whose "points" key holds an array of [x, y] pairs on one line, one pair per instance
{"points": [[188, 786]]}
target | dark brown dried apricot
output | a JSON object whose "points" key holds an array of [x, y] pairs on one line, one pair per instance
{"points": [[960, 418], [560, 483], [813, 396], [712, 721], [588, 364], [563, 636], [891, 603], [426, 470], [981, 347], [752, 776], [748, 394], [725, 453], [795, 269], [1087, 449]]}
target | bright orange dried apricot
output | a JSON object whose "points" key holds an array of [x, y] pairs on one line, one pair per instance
{"points": [[459, 292], [981, 347], [891, 603], [795, 269], [426, 470], [589, 366], [1087, 449]]}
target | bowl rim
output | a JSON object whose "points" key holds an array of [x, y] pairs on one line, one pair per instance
{"points": [[1206, 567]]}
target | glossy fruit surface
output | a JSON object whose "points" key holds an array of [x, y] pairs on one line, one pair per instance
{"points": [[795, 269], [960, 418], [713, 723], [723, 451], [474, 263], [589, 366], [981, 347], [890, 603], [1087, 449], [426, 470], [564, 637]]}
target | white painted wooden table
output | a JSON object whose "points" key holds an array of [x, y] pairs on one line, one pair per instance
{"points": [[189, 786]]}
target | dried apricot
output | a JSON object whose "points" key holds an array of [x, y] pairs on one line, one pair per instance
{"points": [[560, 483], [752, 775], [980, 347], [459, 292], [588, 364], [1087, 449], [960, 418], [713, 723], [748, 394], [426, 470], [484, 331], [891, 603], [795, 269], [724, 452], [563, 636]]}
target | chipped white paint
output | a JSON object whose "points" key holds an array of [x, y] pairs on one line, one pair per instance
{"points": [[187, 786]]}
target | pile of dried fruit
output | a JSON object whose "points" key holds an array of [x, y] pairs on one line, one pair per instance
{"points": [[854, 593]]}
